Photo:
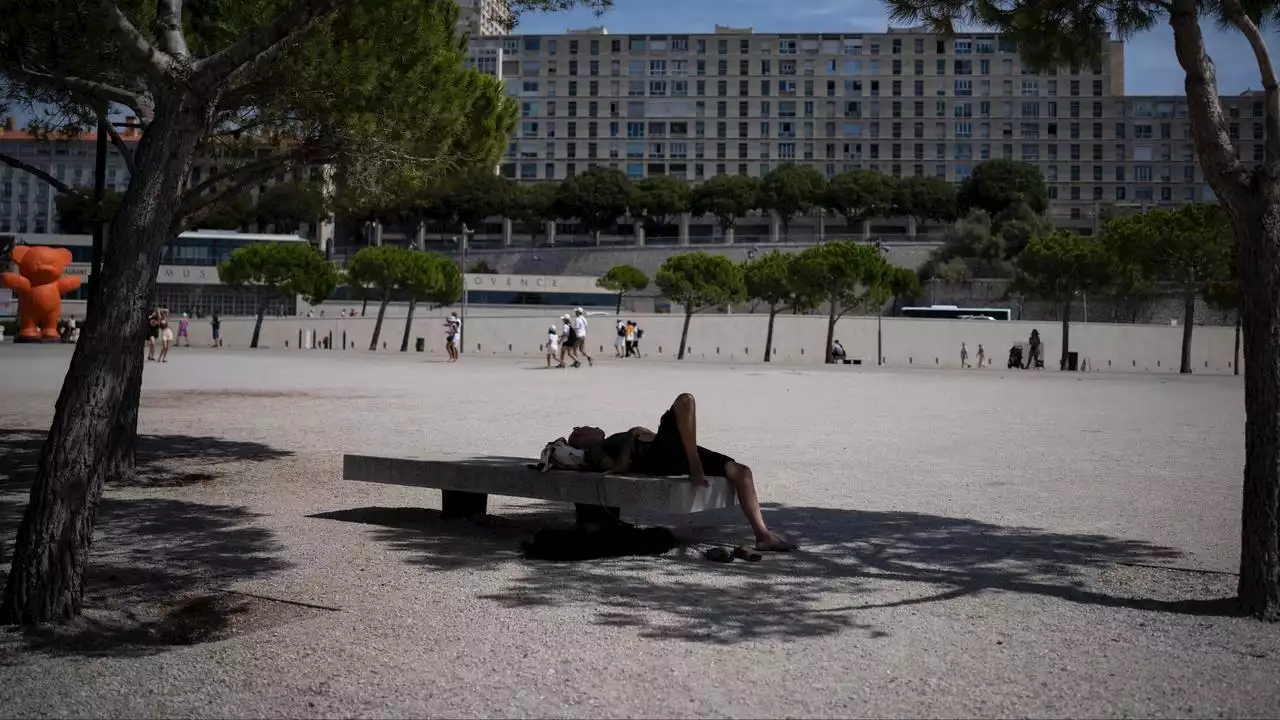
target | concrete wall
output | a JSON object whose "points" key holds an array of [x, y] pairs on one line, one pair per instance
{"points": [[741, 338], [597, 261]]}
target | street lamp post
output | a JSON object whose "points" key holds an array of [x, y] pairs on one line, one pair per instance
{"points": [[464, 240], [880, 316]]}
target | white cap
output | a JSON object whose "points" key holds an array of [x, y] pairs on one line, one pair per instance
{"points": [[551, 328], [578, 310], [564, 316]]}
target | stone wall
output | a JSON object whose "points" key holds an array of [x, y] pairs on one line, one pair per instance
{"points": [[797, 340], [597, 261]]}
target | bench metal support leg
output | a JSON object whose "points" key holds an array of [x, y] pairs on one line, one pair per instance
{"points": [[459, 504], [597, 515]]}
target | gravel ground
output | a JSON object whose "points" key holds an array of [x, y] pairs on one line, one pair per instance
{"points": [[977, 543]]}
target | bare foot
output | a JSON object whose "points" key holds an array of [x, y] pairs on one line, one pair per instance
{"points": [[772, 542]]}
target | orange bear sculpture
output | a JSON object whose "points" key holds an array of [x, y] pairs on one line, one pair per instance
{"points": [[39, 285]]}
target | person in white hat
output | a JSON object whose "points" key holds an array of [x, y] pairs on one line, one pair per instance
{"points": [[553, 345], [567, 340], [580, 336]]}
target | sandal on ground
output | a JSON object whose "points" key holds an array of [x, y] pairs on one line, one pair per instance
{"points": [[718, 554], [743, 552]]}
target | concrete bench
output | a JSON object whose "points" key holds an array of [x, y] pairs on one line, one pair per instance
{"points": [[467, 483]]}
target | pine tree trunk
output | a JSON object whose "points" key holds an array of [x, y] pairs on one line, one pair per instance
{"points": [[364, 305], [408, 324], [684, 333], [1252, 200], [377, 326], [1258, 235], [618, 310], [257, 325], [1188, 323], [768, 338], [1066, 334], [94, 430]]}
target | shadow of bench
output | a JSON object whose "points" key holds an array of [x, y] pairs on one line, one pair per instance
{"points": [[467, 483]]}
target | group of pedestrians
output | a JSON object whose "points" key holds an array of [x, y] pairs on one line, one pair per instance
{"points": [[627, 344], [158, 329], [964, 356], [453, 336], [569, 341]]}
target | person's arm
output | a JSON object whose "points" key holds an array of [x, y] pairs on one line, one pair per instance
{"points": [[687, 423]]}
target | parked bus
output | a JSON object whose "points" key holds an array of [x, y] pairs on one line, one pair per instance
{"points": [[954, 312]]}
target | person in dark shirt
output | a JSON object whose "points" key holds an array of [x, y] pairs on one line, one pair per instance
{"points": [[674, 450]]}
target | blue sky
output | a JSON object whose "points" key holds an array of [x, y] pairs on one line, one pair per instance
{"points": [[1150, 65]]}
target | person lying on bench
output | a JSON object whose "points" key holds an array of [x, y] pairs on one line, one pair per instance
{"points": [[674, 450]]}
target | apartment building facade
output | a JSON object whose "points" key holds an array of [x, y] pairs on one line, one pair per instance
{"points": [[27, 203], [481, 18], [903, 102]]}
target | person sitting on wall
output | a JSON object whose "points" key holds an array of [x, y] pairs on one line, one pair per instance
{"points": [[838, 355], [674, 450]]}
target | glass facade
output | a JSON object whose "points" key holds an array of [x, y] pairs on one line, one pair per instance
{"points": [[202, 300]]}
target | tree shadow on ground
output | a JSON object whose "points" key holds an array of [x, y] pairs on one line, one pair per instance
{"points": [[852, 562], [150, 556], [159, 460]]}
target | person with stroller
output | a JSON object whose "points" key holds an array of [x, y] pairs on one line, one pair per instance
{"points": [[1034, 358]]}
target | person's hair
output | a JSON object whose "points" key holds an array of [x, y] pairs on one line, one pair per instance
{"points": [[581, 437]]}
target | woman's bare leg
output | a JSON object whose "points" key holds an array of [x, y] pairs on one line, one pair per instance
{"points": [[744, 486], [738, 475]]}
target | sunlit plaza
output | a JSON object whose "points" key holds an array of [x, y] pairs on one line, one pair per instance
{"points": [[972, 542]]}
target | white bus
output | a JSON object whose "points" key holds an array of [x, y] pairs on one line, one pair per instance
{"points": [[955, 312]]}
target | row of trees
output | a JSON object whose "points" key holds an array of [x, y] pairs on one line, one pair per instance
{"points": [[285, 270], [1188, 250], [1136, 258], [284, 206], [843, 276], [599, 197]]}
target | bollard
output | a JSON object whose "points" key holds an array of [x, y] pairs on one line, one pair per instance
{"points": [[299, 338], [328, 344], [344, 339]]}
